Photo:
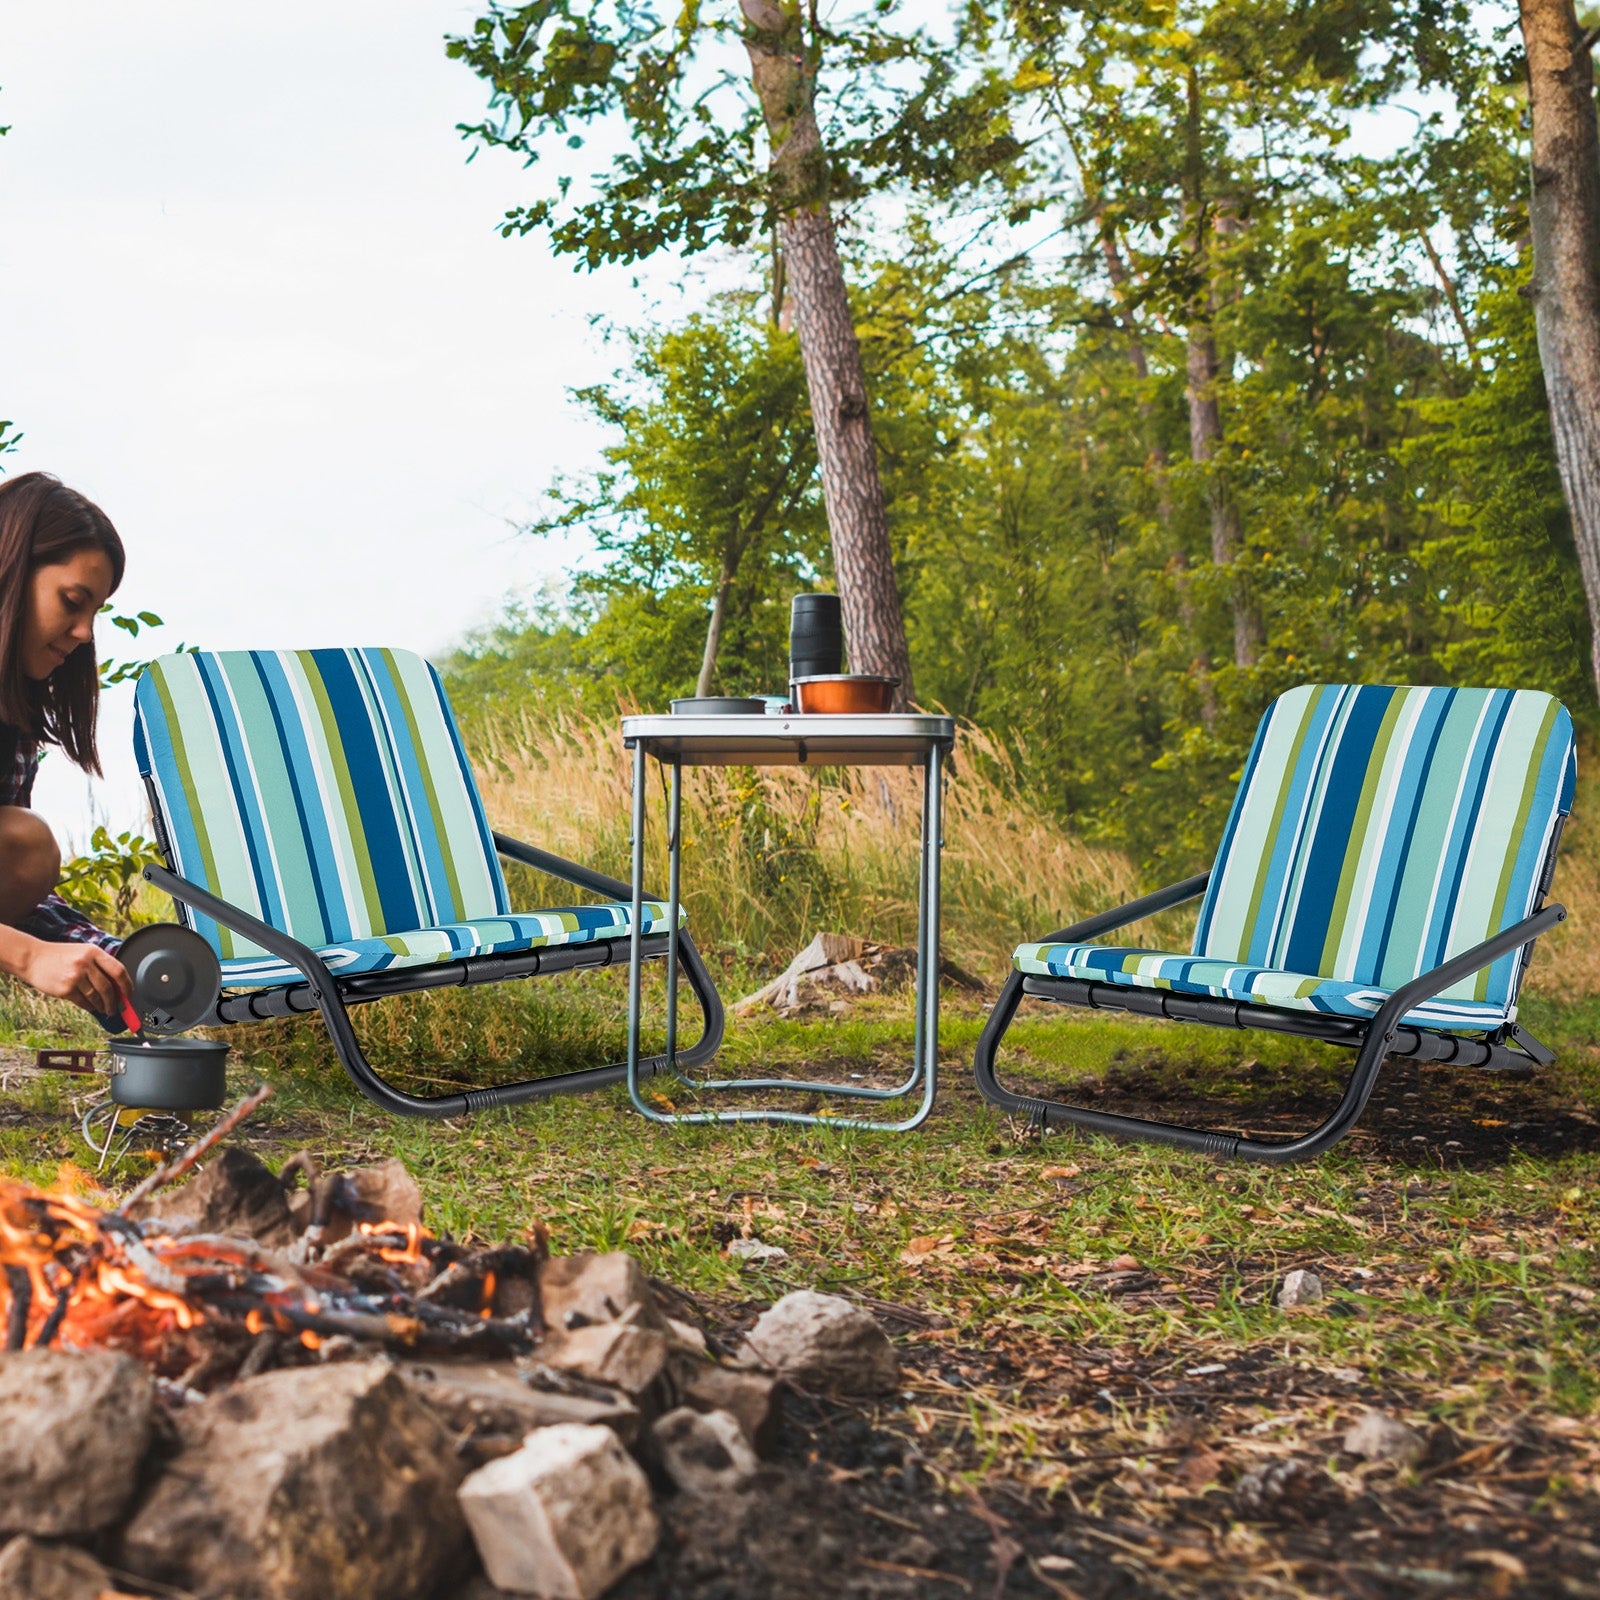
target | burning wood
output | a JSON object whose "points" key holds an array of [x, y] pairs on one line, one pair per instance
{"points": [[81, 1276]]}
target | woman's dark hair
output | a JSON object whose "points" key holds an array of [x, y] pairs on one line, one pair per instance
{"points": [[44, 523]]}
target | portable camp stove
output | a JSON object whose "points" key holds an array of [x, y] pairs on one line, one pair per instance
{"points": [[157, 1081]]}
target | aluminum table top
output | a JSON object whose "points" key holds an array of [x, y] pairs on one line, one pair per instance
{"points": [[792, 740]]}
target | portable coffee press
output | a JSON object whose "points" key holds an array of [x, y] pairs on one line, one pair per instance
{"points": [[816, 638]]}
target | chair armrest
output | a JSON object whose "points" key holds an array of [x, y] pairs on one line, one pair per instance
{"points": [[1134, 911], [568, 871], [274, 940], [1428, 984]]}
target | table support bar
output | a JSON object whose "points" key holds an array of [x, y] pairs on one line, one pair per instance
{"points": [[925, 1043]]}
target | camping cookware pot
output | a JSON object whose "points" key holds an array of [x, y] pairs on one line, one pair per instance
{"points": [[176, 979], [719, 705], [175, 974], [169, 1074], [844, 694]]}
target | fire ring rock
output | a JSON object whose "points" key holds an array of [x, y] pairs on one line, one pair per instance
{"points": [[75, 1426], [33, 1571], [824, 1344], [564, 1517], [329, 1483]]}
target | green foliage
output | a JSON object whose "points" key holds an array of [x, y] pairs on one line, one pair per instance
{"points": [[710, 484], [1502, 562], [126, 671], [104, 884], [690, 172], [1384, 443]]}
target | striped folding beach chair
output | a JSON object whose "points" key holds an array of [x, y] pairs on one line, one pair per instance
{"points": [[322, 830], [1380, 883]]}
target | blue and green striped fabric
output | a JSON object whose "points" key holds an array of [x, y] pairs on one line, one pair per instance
{"points": [[1376, 833], [327, 793]]}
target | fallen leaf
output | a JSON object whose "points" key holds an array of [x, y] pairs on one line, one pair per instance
{"points": [[1200, 1467], [1503, 1559], [1071, 1171], [1125, 1264]]}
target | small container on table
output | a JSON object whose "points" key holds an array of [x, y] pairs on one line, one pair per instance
{"points": [[790, 740]]}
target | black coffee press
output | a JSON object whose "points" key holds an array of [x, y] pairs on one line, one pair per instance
{"points": [[816, 636]]}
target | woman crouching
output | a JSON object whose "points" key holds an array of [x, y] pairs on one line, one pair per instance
{"points": [[60, 559]]}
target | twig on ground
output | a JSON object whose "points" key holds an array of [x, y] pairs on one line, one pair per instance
{"points": [[1006, 1549], [160, 1178]]}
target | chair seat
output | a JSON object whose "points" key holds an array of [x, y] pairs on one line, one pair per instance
{"points": [[1295, 991], [455, 941]]}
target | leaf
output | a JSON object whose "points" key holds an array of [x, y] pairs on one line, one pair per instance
{"points": [[927, 1247]]}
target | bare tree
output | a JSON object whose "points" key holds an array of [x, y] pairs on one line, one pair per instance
{"points": [[1564, 211], [783, 68]]}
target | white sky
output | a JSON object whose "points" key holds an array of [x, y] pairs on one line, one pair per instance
{"points": [[252, 301]]}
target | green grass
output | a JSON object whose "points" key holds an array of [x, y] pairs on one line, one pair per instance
{"points": [[1459, 1282]]}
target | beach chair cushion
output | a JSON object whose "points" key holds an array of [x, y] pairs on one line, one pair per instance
{"points": [[482, 937], [1379, 831], [1376, 832], [327, 793], [1292, 991]]}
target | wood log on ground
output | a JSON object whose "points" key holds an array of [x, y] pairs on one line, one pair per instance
{"points": [[834, 967]]}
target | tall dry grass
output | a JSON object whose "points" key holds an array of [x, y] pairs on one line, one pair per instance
{"points": [[772, 854], [1566, 963]]}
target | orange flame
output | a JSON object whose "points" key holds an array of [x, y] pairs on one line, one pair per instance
{"points": [[63, 1246], [414, 1231]]}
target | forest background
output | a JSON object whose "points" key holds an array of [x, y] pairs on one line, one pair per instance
{"points": [[1181, 394]]}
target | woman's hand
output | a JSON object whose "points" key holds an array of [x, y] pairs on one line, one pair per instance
{"points": [[81, 973]]}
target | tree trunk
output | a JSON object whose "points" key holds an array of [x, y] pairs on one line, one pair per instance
{"points": [[1205, 411], [1565, 215], [1205, 435], [783, 69], [1156, 463], [719, 610]]}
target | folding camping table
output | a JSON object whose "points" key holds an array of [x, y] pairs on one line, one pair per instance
{"points": [[790, 740]]}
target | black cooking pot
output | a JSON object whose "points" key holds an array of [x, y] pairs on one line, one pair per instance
{"points": [[168, 1074]]}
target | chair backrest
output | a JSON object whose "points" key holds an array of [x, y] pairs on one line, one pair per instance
{"points": [[1379, 831], [324, 791]]}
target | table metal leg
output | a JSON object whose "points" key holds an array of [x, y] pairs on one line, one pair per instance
{"points": [[674, 865], [925, 1042], [635, 932]]}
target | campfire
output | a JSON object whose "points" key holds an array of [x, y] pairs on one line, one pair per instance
{"points": [[182, 1301], [269, 1386]]}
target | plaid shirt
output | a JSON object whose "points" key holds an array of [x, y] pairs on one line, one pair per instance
{"points": [[52, 919]]}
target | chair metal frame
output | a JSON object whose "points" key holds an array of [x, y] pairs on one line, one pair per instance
{"points": [[1374, 1042], [325, 991]]}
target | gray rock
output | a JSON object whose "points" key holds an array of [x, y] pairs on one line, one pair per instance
{"points": [[704, 1452], [582, 1289], [685, 1338], [752, 1252], [622, 1355], [824, 1344], [1300, 1288], [564, 1517], [1380, 1437], [1285, 1489], [313, 1483], [750, 1396], [75, 1426], [33, 1571]]}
